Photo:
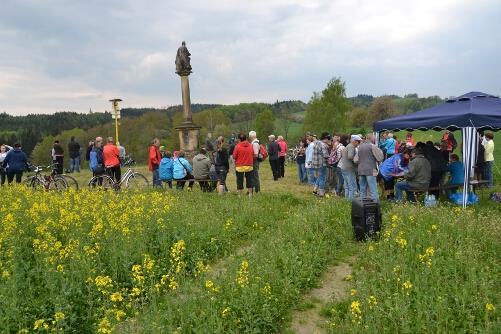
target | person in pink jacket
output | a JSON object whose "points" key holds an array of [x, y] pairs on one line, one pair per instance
{"points": [[281, 155]]}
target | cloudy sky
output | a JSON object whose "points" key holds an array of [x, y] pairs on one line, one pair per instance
{"points": [[75, 55]]}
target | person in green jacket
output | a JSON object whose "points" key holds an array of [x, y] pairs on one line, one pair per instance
{"points": [[417, 176]]}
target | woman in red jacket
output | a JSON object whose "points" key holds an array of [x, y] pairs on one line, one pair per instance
{"points": [[243, 154], [154, 158]]}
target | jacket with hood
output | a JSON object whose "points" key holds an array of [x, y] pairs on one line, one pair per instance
{"points": [[181, 167], [201, 167], [244, 155], [15, 160], [419, 173], [166, 169]]}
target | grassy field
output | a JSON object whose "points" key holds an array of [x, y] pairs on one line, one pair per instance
{"points": [[190, 262]]}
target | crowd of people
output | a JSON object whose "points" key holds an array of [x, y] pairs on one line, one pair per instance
{"points": [[342, 165], [353, 165]]}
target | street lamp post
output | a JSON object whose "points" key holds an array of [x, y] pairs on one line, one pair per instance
{"points": [[116, 116]]}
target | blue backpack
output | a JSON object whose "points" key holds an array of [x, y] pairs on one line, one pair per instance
{"points": [[166, 169]]}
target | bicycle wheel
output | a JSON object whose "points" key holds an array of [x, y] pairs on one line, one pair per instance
{"points": [[58, 183], [101, 182], [28, 181], [137, 181], [71, 181]]}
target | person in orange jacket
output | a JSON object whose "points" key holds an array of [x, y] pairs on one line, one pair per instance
{"points": [[111, 160], [154, 158]]}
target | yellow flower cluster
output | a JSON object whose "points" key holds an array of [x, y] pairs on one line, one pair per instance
{"points": [[242, 278], [266, 290], [176, 254], [356, 311], [425, 258]]}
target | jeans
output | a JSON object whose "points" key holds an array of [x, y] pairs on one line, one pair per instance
{"points": [[488, 173], [399, 189], [368, 180], [340, 180], [350, 184], [301, 172], [75, 164], [255, 173], [156, 178], [321, 177], [311, 175]]}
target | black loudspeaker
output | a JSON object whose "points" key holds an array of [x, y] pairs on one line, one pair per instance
{"points": [[365, 218]]}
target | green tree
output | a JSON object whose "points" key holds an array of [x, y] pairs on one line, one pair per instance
{"points": [[265, 124], [328, 110], [382, 108]]}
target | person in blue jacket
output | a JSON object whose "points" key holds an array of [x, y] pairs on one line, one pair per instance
{"points": [[182, 171], [166, 169], [456, 168], [16, 162], [395, 164]]}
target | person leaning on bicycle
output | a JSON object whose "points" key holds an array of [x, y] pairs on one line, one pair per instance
{"points": [[111, 157], [96, 158]]}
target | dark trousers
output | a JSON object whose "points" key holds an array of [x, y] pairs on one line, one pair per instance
{"points": [[114, 172], [436, 177], [59, 166], [249, 177], [18, 175], [169, 184], [207, 186], [3, 175], [281, 166], [180, 183], [275, 169]]}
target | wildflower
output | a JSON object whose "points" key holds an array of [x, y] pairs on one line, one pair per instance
{"points": [[434, 227], [353, 292], [58, 316], [371, 248], [5, 274], [176, 252], [116, 297], [103, 282], [40, 323], [135, 292], [372, 300], [355, 307], [211, 287], [228, 224], [243, 274], [225, 312], [430, 251], [489, 307], [60, 268], [407, 285], [266, 290], [148, 263], [200, 268], [119, 315], [401, 242], [173, 285], [104, 326], [348, 277], [396, 269]]}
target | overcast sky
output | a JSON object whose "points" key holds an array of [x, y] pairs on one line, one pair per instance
{"points": [[75, 55]]}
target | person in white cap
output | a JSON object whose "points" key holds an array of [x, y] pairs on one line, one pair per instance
{"points": [[349, 167]]}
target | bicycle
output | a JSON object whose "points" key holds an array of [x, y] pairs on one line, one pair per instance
{"points": [[38, 181], [291, 156], [130, 179]]}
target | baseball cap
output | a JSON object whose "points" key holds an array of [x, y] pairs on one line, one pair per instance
{"points": [[356, 138]]}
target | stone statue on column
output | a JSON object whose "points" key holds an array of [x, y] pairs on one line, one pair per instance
{"points": [[183, 66]]}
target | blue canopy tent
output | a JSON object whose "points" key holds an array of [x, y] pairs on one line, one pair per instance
{"points": [[470, 112]]}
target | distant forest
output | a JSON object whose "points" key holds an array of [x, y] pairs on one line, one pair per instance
{"points": [[139, 125]]}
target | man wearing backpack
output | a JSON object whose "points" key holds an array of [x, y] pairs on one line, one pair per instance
{"points": [[255, 168]]}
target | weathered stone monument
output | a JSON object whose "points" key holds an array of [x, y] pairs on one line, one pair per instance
{"points": [[188, 131]]}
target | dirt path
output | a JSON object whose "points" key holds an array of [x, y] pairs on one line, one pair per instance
{"points": [[331, 285]]}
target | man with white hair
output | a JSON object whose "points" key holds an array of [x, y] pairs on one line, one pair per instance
{"points": [[369, 155], [255, 146]]}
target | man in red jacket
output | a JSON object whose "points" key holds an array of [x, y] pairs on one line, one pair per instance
{"points": [[243, 154], [154, 158], [111, 161]]}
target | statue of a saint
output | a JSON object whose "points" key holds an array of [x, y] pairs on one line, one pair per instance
{"points": [[183, 66]]}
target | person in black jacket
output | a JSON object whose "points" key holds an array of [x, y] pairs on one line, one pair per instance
{"points": [[74, 150], [87, 154], [222, 165], [58, 156], [438, 166], [273, 155]]}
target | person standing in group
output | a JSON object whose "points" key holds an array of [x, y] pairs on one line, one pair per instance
{"points": [[281, 156], [308, 154], [448, 137], [4, 150], [96, 158], [111, 160], [154, 158], [390, 146], [74, 151], [349, 167], [222, 164], [58, 156], [16, 161], [319, 161], [489, 158], [87, 153], [255, 167], [273, 155], [301, 161], [369, 156], [243, 154]]}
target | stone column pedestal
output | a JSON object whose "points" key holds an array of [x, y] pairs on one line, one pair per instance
{"points": [[188, 137]]}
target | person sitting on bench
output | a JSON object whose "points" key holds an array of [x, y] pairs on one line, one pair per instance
{"points": [[182, 171], [416, 178], [456, 168], [393, 165], [201, 169]]}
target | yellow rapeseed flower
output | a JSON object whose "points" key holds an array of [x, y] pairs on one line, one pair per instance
{"points": [[430, 251], [348, 277], [242, 278], [489, 307], [353, 292], [372, 300], [355, 307], [116, 297], [407, 285], [40, 323], [58, 316], [225, 311]]}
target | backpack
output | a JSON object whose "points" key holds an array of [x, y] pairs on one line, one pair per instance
{"points": [[263, 154]]}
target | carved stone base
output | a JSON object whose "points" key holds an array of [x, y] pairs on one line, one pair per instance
{"points": [[188, 137]]}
